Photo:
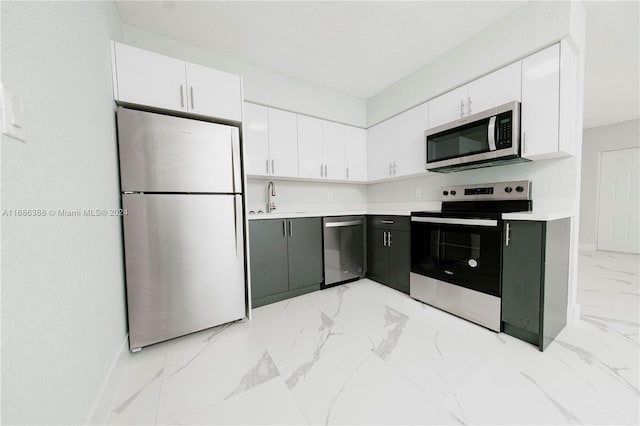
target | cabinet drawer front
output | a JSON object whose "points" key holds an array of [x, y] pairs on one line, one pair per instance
{"points": [[398, 223]]}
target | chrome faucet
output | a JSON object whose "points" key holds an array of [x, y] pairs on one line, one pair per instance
{"points": [[271, 192]]}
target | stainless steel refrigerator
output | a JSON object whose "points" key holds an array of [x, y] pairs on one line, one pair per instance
{"points": [[184, 225]]}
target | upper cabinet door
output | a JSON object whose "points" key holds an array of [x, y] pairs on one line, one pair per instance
{"points": [[409, 145], [256, 140], [310, 147], [499, 87], [448, 107], [283, 143], [379, 143], [333, 150], [355, 153], [213, 93], [148, 78], [540, 103]]}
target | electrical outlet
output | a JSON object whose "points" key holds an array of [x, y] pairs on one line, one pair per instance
{"points": [[418, 192], [329, 196]]}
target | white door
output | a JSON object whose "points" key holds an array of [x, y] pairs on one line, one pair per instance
{"points": [[355, 153], [310, 147], [147, 78], [540, 103], [619, 216], [379, 150], [283, 143], [213, 93], [333, 150], [409, 146], [448, 107], [499, 87], [256, 140]]}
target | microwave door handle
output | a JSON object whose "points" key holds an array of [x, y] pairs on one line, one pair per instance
{"points": [[491, 137]]}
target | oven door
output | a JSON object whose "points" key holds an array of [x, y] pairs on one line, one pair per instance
{"points": [[464, 252]]}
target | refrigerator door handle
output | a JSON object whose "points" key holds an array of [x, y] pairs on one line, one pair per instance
{"points": [[235, 160], [237, 209]]}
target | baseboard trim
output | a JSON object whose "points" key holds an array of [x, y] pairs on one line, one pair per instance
{"points": [[587, 247], [99, 412], [573, 314]]}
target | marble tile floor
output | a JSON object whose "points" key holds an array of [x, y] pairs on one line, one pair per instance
{"points": [[362, 353]]}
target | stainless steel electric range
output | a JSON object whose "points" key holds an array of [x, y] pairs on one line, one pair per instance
{"points": [[456, 253]]}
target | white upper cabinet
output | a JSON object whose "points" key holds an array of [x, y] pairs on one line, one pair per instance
{"points": [[213, 93], [499, 87], [146, 78], [540, 103], [333, 150], [379, 149], [447, 107], [270, 141], [283, 143], [310, 147], [355, 153], [256, 140], [409, 144]]}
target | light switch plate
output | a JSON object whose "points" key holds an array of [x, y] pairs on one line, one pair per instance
{"points": [[12, 115]]}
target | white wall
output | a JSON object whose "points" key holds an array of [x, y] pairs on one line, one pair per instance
{"points": [[63, 304], [529, 28], [292, 196], [595, 141], [261, 86]]}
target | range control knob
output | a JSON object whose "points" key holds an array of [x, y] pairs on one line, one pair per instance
{"points": [[453, 192], [508, 189], [519, 188], [445, 192]]}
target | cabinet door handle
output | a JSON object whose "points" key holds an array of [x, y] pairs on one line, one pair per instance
{"points": [[347, 172], [384, 239], [284, 228], [273, 167], [290, 228], [395, 168], [181, 96], [461, 109], [389, 239], [321, 170], [193, 105], [267, 163], [507, 234], [325, 170], [387, 222], [468, 106], [390, 169]]}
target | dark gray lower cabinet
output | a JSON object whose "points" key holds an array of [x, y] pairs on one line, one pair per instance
{"points": [[388, 251], [535, 278], [286, 258]]}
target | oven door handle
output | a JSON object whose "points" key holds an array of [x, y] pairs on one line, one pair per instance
{"points": [[456, 221]]}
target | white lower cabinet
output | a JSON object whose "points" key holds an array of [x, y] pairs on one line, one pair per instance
{"points": [[355, 153]]}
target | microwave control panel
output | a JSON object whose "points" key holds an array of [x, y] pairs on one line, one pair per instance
{"points": [[503, 131]]}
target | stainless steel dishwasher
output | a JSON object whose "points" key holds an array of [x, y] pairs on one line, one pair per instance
{"points": [[343, 249]]}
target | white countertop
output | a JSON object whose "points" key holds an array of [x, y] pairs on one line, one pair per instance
{"points": [[287, 215], [537, 215]]}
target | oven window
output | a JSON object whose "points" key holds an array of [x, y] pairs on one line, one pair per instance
{"points": [[468, 256], [466, 140]]}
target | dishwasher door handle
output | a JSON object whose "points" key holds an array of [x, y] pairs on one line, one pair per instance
{"points": [[345, 223]]}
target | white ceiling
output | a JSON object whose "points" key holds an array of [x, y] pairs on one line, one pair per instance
{"points": [[360, 48]]}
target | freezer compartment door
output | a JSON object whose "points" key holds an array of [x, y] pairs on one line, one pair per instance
{"points": [[160, 153], [184, 257]]}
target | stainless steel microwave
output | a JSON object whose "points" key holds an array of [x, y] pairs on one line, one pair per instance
{"points": [[484, 139]]}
